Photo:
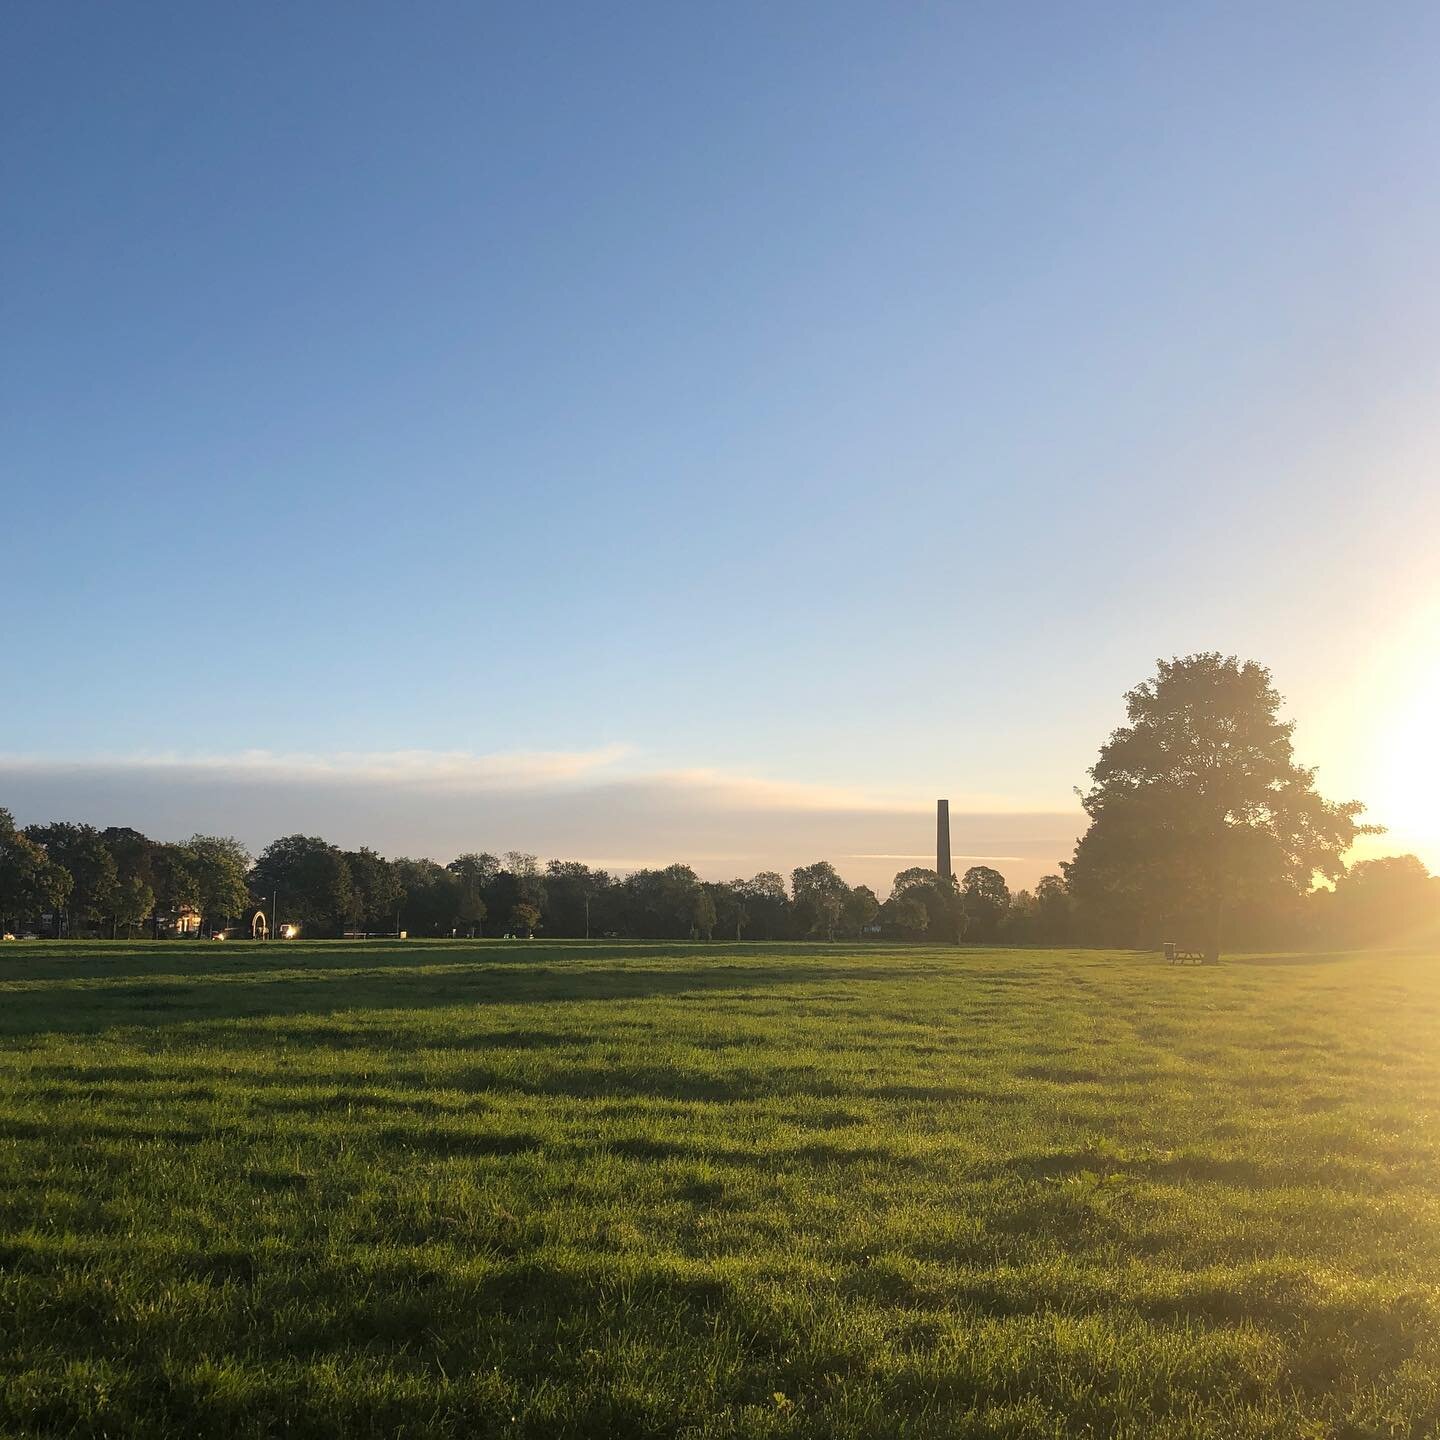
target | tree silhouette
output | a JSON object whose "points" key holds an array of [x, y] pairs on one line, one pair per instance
{"points": [[1198, 802]]}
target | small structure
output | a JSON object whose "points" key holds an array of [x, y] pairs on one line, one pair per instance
{"points": [[1174, 955], [256, 928]]}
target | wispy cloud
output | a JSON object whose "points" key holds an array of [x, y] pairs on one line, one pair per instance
{"points": [[447, 769], [606, 806], [930, 855]]}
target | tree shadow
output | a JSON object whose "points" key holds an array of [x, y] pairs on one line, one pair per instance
{"points": [[118, 959], [89, 994], [1297, 957]]}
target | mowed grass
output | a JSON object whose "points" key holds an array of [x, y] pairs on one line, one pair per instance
{"points": [[484, 1189]]}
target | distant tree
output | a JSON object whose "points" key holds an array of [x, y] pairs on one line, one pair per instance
{"points": [[429, 900], [1197, 804], [134, 856], [944, 915], [731, 910], [766, 906], [526, 870], [31, 884], [702, 913], [312, 881], [915, 878], [819, 898], [375, 890], [473, 875], [571, 888], [984, 899], [1020, 925], [1390, 899], [134, 903], [904, 917], [1052, 910], [518, 881], [470, 906], [80, 850], [525, 918], [175, 880], [829, 908], [471, 910], [480, 867], [221, 867], [658, 904], [1038, 918], [859, 910]]}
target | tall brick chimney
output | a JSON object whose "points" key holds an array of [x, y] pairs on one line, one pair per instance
{"points": [[942, 840]]}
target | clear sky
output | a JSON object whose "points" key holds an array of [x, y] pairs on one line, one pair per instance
{"points": [[780, 413]]}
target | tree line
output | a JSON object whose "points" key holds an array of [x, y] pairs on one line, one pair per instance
{"points": [[1202, 829], [76, 880]]}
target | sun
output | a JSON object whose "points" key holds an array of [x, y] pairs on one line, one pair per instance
{"points": [[1406, 766]]}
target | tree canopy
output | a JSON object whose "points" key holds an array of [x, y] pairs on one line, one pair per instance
{"points": [[1198, 804]]}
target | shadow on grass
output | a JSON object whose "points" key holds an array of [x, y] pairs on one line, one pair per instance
{"points": [[72, 997], [1300, 957], [120, 960]]}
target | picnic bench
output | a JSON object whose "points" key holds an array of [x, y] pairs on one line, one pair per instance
{"points": [[1175, 955]]}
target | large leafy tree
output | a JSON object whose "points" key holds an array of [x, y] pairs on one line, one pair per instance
{"points": [[1393, 898], [1197, 805], [984, 899], [430, 897], [134, 901], [311, 881], [518, 881], [81, 850], [375, 889], [219, 866], [820, 896], [702, 913], [30, 882], [175, 878], [132, 851], [571, 889], [1052, 910], [660, 904], [904, 916], [859, 910], [765, 904], [732, 910], [945, 919], [473, 875]]}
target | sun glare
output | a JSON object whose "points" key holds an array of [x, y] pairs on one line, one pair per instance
{"points": [[1406, 796]]}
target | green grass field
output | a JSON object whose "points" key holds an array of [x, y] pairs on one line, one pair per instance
{"points": [[484, 1189]]}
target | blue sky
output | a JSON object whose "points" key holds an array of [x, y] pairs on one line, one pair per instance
{"points": [[803, 409]]}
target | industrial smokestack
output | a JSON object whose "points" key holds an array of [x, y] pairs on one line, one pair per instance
{"points": [[942, 840]]}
